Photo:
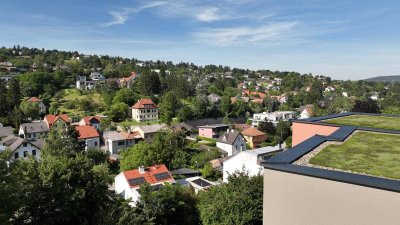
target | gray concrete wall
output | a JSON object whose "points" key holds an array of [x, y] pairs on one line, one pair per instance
{"points": [[302, 200]]}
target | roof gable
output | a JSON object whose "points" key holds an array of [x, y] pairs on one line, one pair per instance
{"points": [[251, 131], [145, 103], [87, 131]]}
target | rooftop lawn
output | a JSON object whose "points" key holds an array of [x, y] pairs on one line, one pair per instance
{"points": [[383, 122], [375, 154]]}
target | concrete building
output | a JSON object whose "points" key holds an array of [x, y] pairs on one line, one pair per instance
{"points": [[299, 192], [127, 183], [212, 131], [273, 117], [116, 141], [145, 110], [232, 142], [249, 161]]}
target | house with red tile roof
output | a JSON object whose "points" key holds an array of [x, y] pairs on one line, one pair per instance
{"points": [[42, 107], [60, 121], [254, 137], [90, 120], [128, 81], [90, 135], [127, 183], [145, 110]]}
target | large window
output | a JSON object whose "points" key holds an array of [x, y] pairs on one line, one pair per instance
{"points": [[120, 143], [33, 152], [16, 155]]}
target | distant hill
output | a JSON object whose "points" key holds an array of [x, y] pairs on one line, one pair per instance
{"points": [[392, 78]]}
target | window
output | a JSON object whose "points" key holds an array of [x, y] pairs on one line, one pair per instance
{"points": [[33, 152], [25, 144], [28, 135], [120, 143], [25, 153], [95, 144], [16, 155]]}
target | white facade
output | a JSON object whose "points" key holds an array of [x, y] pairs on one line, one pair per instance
{"points": [[25, 150], [92, 143], [123, 188], [142, 115], [238, 145], [304, 114], [273, 117], [247, 161], [83, 84]]}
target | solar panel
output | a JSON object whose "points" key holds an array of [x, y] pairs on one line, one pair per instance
{"points": [[162, 176], [201, 183], [136, 181]]}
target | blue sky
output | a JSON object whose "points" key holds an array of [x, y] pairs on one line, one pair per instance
{"points": [[343, 39]]}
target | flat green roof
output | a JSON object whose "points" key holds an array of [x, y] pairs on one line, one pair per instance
{"points": [[372, 153], [383, 122]]}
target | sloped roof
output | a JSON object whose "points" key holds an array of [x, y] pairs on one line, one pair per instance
{"points": [[13, 142], [252, 132], [145, 103], [5, 131], [149, 175], [35, 127], [130, 135], [87, 131], [150, 128], [229, 137], [89, 119], [34, 99], [50, 118]]}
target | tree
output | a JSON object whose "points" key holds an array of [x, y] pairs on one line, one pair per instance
{"points": [[185, 113], [125, 95], [3, 98], [366, 106], [118, 111], [30, 109], [13, 94], [169, 105], [283, 131], [225, 105], [240, 201], [149, 83], [267, 127]]}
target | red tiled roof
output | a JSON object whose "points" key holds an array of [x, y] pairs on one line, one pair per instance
{"points": [[258, 100], [87, 132], [148, 174], [86, 119], [145, 103], [129, 135], [34, 99], [50, 118], [252, 132]]}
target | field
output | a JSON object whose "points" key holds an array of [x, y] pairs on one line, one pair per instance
{"points": [[383, 122], [375, 154], [70, 102]]}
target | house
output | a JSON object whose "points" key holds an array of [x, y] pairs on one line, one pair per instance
{"points": [[34, 130], [22, 148], [214, 98], [212, 131], [254, 137], [116, 141], [42, 107], [374, 96], [60, 121], [196, 183], [182, 127], [127, 183], [96, 76], [148, 132], [235, 99], [5, 131], [91, 120], [128, 81], [278, 80], [232, 142], [340, 173], [306, 111], [145, 110], [83, 83], [273, 117], [89, 135], [249, 161]]}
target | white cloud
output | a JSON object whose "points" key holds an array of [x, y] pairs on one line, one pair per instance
{"points": [[208, 15], [272, 32], [122, 16]]}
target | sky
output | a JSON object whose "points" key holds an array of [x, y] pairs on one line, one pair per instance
{"points": [[342, 39]]}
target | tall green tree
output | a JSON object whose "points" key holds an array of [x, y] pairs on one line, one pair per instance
{"points": [[169, 106], [13, 94]]}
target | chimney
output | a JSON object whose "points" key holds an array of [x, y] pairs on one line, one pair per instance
{"points": [[141, 169]]}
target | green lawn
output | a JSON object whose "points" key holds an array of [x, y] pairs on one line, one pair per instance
{"points": [[371, 153], [73, 94], [384, 122]]}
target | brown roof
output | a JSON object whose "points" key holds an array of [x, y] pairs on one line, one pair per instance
{"points": [[53, 118], [89, 119], [145, 103], [34, 99], [252, 132], [87, 132], [130, 135], [149, 174]]}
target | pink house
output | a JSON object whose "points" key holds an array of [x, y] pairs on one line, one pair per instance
{"points": [[212, 131]]}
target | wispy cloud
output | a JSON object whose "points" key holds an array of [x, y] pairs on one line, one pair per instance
{"points": [[208, 15], [120, 17], [273, 32]]}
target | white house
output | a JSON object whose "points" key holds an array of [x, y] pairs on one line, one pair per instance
{"points": [[82, 83], [22, 148], [145, 110], [273, 117], [89, 135], [116, 141], [127, 183], [34, 130], [232, 142], [248, 161], [306, 111], [374, 96]]}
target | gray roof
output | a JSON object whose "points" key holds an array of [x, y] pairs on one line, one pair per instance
{"points": [[13, 142], [36, 127], [182, 125], [113, 135], [150, 128], [229, 137], [214, 126], [184, 171], [5, 131]]}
